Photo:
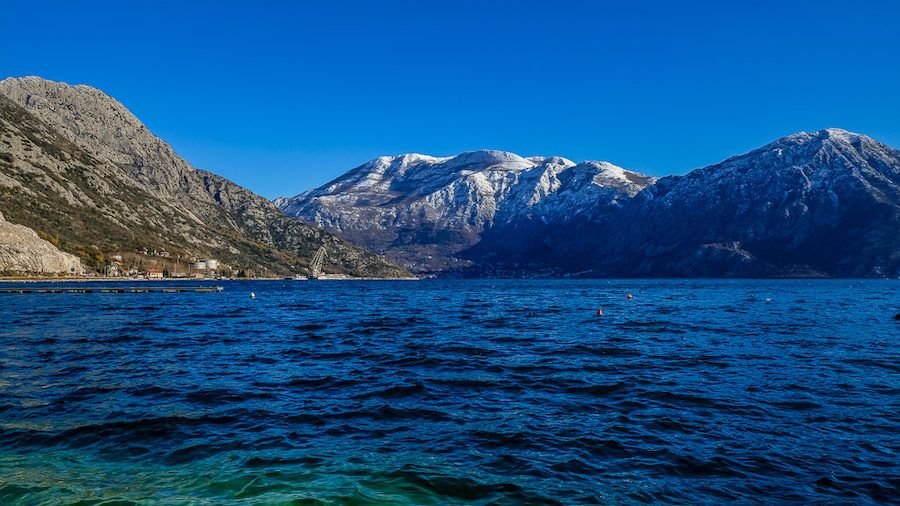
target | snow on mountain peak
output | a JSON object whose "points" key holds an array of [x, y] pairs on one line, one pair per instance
{"points": [[442, 207], [838, 133], [489, 158], [551, 160], [605, 167], [608, 175], [463, 195], [827, 135], [383, 163]]}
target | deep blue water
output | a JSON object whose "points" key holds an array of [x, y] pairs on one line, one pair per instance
{"points": [[442, 392]]}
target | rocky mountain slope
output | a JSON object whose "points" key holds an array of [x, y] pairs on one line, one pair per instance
{"points": [[821, 204], [426, 212], [23, 252], [77, 165]]}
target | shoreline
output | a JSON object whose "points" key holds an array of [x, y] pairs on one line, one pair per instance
{"points": [[182, 280]]}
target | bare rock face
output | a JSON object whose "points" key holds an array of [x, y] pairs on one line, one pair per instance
{"points": [[75, 163], [23, 252]]}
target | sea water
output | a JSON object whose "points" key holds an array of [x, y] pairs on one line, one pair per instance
{"points": [[462, 391]]}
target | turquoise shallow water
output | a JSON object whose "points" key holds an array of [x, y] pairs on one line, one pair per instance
{"points": [[445, 392]]}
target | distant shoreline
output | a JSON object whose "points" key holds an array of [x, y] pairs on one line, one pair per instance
{"points": [[182, 280], [208, 280]]}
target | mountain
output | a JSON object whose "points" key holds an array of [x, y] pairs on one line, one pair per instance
{"points": [[426, 212], [822, 203], [76, 165], [811, 204]]}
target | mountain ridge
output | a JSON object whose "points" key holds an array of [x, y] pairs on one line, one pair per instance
{"points": [[77, 166], [423, 211], [827, 179], [97, 178]]}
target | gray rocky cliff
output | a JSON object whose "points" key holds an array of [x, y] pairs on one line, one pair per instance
{"points": [[23, 252], [75, 162]]}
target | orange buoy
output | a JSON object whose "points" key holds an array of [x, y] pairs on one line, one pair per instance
{"points": [[627, 295], [599, 312]]}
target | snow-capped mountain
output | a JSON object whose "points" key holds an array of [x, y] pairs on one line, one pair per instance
{"points": [[424, 211], [825, 203], [822, 203]]}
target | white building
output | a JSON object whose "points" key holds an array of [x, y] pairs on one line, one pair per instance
{"points": [[208, 264]]}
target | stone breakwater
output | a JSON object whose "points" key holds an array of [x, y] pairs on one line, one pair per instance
{"points": [[22, 251]]}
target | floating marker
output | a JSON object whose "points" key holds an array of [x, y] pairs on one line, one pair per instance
{"points": [[628, 296], [252, 295], [599, 312]]}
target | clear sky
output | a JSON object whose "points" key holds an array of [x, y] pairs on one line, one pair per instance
{"points": [[283, 96]]}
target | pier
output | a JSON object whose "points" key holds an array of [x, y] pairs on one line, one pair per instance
{"points": [[114, 289]]}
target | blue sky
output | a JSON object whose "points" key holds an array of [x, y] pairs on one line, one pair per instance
{"points": [[284, 96]]}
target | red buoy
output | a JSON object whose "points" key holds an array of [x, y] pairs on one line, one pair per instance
{"points": [[628, 296], [599, 312]]}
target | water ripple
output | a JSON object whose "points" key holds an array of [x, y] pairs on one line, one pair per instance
{"points": [[448, 392]]}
